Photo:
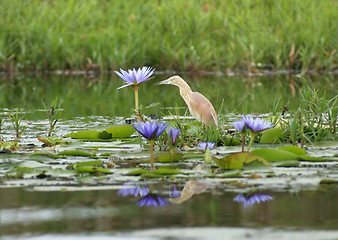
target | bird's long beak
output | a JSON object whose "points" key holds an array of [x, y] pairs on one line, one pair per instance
{"points": [[163, 82]]}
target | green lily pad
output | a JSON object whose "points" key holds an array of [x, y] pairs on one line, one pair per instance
{"points": [[239, 160], [271, 135], [231, 142], [160, 171], [286, 153], [91, 169], [166, 158], [75, 152], [86, 163], [121, 131], [44, 153], [294, 149], [274, 154], [286, 163]]}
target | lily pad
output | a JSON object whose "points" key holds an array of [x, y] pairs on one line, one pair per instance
{"points": [[91, 169], [76, 152], [286, 153], [160, 171], [239, 160], [294, 149], [271, 135], [167, 158], [274, 154], [120, 131]]}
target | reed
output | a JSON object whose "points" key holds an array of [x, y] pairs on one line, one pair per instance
{"points": [[177, 35]]}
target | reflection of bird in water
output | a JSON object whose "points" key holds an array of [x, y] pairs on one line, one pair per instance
{"points": [[191, 188], [199, 106]]}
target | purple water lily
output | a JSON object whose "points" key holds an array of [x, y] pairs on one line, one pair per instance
{"points": [[240, 125], [205, 145], [256, 124], [135, 77], [253, 199], [150, 130], [173, 135], [152, 200]]}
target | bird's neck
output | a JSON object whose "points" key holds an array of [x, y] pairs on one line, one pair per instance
{"points": [[185, 91]]}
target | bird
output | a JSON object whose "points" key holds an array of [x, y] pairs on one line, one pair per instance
{"points": [[199, 106]]}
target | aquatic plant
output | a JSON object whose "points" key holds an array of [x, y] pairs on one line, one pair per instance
{"points": [[54, 113], [134, 78], [152, 200], [16, 121], [255, 125], [173, 134], [255, 198], [2, 121], [151, 131], [206, 147]]}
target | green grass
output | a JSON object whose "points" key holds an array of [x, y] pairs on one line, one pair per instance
{"points": [[171, 34]]}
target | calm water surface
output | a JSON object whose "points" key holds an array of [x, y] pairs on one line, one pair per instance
{"points": [[29, 212]]}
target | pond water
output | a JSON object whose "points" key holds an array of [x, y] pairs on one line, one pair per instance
{"points": [[43, 198]]}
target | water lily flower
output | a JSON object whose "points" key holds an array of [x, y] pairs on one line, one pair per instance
{"points": [[152, 200], [131, 190], [151, 131], [253, 199], [240, 125], [173, 135], [134, 78], [256, 125], [205, 145]]}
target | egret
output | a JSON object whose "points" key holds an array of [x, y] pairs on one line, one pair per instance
{"points": [[199, 106]]}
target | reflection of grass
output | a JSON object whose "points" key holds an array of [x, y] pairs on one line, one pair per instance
{"points": [[181, 35]]}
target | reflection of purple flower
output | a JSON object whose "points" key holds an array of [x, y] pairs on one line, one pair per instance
{"points": [[133, 191], [135, 77], [253, 199], [152, 200], [204, 145], [173, 135], [175, 193], [150, 130]]}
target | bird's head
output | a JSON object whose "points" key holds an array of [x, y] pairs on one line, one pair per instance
{"points": [[174, 80]]}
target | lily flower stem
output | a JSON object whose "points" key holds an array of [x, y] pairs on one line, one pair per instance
{"points": [[251, 140], [171, 154], [243, 140], [136, 102], [151, 146]]}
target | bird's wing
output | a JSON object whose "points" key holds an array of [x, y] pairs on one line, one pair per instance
{"points": [[201, 108]]}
